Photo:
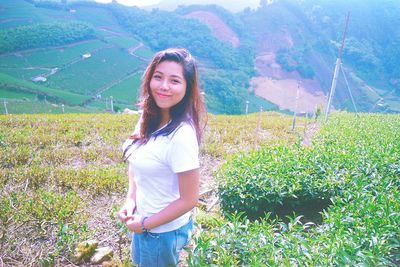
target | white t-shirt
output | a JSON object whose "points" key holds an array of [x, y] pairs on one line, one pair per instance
{"points": [[155, 166]]}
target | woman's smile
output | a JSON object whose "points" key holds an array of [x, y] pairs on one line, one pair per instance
{"points": [[161, 95]]}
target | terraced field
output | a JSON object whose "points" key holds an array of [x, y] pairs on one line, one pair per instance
{"points": [[74, 74]]}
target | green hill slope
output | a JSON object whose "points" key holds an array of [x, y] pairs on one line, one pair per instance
{"points": [[121, 48], [72, 72]]}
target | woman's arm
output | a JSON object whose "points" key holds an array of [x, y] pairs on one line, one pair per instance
{"points": [[189, 196], [129, 207]]}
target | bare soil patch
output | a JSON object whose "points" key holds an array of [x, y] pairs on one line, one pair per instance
{"points": [[273, 41], [284, 93], [280, 87], [267, 66], [218, 27]]}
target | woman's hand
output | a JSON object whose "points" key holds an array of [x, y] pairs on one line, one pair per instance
{"points": [[134, 224], [127, 210]]}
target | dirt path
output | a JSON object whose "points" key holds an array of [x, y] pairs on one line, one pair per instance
{"points": [[131, 50], [310, 130], [109, 30]]}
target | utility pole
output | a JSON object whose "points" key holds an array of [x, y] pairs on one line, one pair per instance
{"points": [[336, 72], [5, 106], [259, 120], [295, 107], [111, 104]]}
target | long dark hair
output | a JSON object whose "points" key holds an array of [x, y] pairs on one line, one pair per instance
{"points": [[191, 108]]}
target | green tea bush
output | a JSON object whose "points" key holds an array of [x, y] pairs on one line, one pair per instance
{"points": [[275, 178], [354, 161]]}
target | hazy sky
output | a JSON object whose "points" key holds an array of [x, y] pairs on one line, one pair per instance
{"points": [[132, 2]]}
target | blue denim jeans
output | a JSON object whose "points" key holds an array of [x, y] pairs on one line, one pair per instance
{"points": [[163, 249]]}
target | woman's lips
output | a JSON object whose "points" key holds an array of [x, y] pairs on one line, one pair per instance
{"points": [[160, 95]]}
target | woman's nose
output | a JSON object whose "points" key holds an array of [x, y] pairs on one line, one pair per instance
{"points": [[164, 85]]}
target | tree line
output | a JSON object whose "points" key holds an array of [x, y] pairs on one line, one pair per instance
{"points": [[44, 35]]}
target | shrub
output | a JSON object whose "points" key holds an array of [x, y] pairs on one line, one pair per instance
{"points": [[354, 160]]}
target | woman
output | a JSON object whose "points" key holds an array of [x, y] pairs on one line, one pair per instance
{"points": [[163, 160]]}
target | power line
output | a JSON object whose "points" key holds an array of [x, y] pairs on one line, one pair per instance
{"points": [[348, 88]]}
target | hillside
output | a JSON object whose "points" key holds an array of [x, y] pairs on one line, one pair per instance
{"points": [[106, 63], [279, 56], [302, 49], [109, 60], [299, 52]]}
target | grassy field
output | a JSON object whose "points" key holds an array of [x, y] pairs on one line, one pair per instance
{"points": [[121, 80], [123, 42], [144, 52], [70, 98], [60, 56], [127, 91], [10, 94], [35, 106], [17, 13], [73, 74], [100, 17], [62, 177], [86, 78]]}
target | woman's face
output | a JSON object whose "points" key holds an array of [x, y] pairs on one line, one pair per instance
{"points": [[168, 85]]}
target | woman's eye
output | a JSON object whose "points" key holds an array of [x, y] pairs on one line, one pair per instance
{"points": [[157, 77], [175, 81]]}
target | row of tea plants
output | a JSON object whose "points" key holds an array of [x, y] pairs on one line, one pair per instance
{"points": [[336, 203]]}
